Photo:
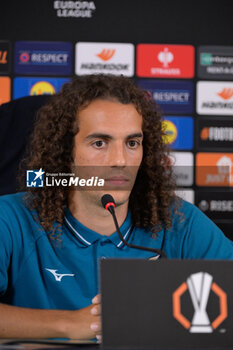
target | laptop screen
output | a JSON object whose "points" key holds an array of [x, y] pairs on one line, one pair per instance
{"points": [[167, 303]]}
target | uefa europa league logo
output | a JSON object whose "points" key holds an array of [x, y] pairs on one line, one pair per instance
{"points": [[199, 286]]}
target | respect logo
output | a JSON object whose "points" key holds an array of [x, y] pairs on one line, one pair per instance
{"points": [[43, 57], [200, 285], [24, 57], [173, 96]]}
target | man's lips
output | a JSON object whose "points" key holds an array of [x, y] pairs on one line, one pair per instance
{"points": [[117, 180]]}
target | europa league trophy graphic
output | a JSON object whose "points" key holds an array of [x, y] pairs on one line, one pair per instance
{"points": [[199, 285]]}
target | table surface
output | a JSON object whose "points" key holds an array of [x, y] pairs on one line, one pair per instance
{"points": [[43, 344]]}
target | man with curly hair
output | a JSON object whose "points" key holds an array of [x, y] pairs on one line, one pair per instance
{"points": [[52, 237]]}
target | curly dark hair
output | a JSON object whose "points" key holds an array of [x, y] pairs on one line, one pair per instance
{"points": [[153, 194]]}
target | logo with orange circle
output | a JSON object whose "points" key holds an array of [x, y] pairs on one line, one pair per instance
{"points": [[200, 285]]}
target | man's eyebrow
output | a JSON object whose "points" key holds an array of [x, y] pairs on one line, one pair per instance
{"points": [[109, 137], [98, 136], [138, 134]]}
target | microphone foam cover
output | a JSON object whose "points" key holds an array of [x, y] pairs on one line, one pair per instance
{"points": [[107, 198]]}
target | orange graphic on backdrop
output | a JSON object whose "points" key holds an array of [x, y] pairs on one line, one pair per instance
{"points": [[184, 321], [226, 94], [204, 134], [5, 90], [105, 55], [214, 169], [3, 57]]}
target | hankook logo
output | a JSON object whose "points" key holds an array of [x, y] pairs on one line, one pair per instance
{"points": [[215, 98], [106, 55], [200, 285], [226, 94], [107, 58]]}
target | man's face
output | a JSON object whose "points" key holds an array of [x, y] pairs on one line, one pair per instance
{"points": [[109, 144]]}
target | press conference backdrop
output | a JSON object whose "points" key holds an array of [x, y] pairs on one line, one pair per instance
{"points": [[181, 52]]}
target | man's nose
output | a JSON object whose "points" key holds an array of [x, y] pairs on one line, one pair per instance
{"points": [[117, 156]]}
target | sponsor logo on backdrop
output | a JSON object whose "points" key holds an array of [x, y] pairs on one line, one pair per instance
{"points": [[215, 62], [114, 58], [214, 169], [173, 97], [43, 57], [30, 86], [187, 195], [167, 61], [200, 285], [215, 133], [74, 9], [42, 88], [24, 57], [216, 204], [183, 168], [4, 56], [165, 57], [226, 94], [215, 98], [5, 89], [170, 131], [178, 132], [106, 55]]}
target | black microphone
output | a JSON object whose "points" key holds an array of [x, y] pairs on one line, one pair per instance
{"points": [[109, 204]]}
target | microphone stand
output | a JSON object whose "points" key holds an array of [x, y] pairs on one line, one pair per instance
{"points": [[110, 208]]}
